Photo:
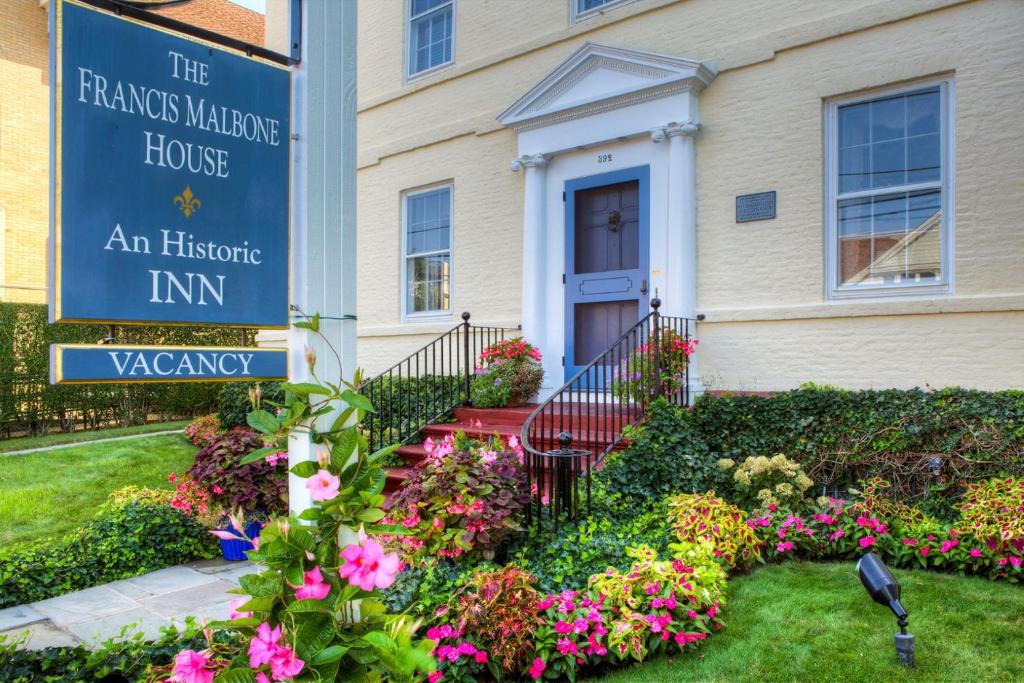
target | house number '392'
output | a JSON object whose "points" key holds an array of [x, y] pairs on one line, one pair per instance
{"points": [[604, 158]]}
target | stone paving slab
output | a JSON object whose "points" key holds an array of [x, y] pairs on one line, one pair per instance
{"points": [[22, 615], [188, 600], [83, 605], [221, 565], [95, 631], [43, 634], [163, 581]]}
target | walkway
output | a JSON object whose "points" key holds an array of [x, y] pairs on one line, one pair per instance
{"points": [[151, 601], [76, 444]]}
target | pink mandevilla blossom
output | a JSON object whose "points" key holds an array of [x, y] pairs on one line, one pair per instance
{"points": [[285, 664], [263, 646], [368, 566], [323, 486], [313, 586], [191, 667], [234, 605]]}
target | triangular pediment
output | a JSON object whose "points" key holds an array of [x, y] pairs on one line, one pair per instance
{"points": [[600, 76]]}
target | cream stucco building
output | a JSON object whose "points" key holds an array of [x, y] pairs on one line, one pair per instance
{"points": [[887, 130]]}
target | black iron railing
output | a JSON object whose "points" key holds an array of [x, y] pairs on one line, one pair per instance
{"points": [[571, 432], [427, 385]]}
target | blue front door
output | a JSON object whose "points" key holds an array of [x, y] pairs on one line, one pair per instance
{"points": [[607, 228]]}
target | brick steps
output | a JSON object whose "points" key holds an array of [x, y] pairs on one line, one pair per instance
{"points": [[590, 429]]}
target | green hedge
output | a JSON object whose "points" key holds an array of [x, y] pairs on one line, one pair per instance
{"points": [[234, 404], [841, 436], [405, 404], [125, 539], [30, 405]]}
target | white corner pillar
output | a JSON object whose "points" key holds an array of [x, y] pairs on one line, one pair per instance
{"points": [[323, 204], [681, 279], [534, 241]]}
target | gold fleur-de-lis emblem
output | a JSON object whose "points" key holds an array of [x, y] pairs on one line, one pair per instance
{"points": [[187, 202]]}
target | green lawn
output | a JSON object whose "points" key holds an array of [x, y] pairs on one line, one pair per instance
{"points": [[815, 622], [50, 493], [28, 442]]}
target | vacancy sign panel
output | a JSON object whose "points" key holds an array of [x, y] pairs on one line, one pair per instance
{"points": [[170, 178], [85, 363]]}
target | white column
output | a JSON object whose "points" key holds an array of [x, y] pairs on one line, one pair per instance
{"points": [[323, 203], [534, 241], [681, 280]]}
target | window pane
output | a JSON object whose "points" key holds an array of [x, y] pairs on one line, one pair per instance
{"points": [[891, 239], [420, 6], [890, 141], [584, 5], [428, 221], [428, 279], [431, 39]]}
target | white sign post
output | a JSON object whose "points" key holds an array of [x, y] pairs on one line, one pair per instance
{"points": [[323, 203]]}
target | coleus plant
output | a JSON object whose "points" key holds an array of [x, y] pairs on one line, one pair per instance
{"points": [[314, 612]]}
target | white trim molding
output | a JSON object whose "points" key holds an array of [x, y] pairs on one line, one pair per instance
{"points": [[834, 291]]}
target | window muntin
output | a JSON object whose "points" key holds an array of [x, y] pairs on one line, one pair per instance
{"points": [[889, 193], [431, 28], [584, 9], [428, 252]]}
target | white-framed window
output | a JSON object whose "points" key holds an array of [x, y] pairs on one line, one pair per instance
{"points": [[427, 251], [584, 9], [431, 35], [889, 192]]}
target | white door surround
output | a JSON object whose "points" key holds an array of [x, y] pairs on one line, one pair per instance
{"points": [[607, 108]]}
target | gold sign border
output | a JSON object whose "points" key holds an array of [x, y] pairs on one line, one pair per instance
{"points": [[54, 289], [57, 363]]}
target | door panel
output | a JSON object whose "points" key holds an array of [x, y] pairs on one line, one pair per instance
{"points": [[606, 271]]}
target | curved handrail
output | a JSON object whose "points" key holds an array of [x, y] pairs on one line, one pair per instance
{"points": [[591, 410]]}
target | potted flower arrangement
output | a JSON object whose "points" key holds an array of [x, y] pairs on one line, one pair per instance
{"points": [[239, 497], [509, 373], [635, 377]]}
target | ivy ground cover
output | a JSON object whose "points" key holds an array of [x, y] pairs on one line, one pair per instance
{"points": [[814, 622], [45, 495]]}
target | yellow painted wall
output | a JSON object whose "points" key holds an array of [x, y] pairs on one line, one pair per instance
{"points": [[761, 284], [24, 150]]}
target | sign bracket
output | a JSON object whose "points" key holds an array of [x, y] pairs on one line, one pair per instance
{"points": [[133, 11]]}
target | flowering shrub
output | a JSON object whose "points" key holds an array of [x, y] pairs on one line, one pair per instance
{"points": [[257, 486], [496, 611], [203, 430], [192, 498], [314, 609], [636, 378], [464, 497], [761, 482], [993, 511], [508, 373], [706, 518]]}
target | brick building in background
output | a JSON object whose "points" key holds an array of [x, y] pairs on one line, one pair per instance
{"points": [[24, 128]]}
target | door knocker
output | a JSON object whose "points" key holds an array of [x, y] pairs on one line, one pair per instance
{"points": [[614, 220]]}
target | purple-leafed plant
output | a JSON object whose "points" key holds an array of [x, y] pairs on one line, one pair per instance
{"points": [[260, 486]]}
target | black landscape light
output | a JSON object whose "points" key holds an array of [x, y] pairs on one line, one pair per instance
{"points": [[883, 588], [935, 467]]}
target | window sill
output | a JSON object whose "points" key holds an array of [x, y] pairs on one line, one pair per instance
{"points": [[413, 79], [860, 308]]}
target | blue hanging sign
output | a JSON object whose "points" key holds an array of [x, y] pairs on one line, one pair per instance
{"points": [[92, 363], [170, 188]]}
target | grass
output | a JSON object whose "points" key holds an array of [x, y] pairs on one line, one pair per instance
{"points": [[28, 442], [45, 495], [815, 622]]}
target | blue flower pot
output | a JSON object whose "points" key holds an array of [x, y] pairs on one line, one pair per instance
{"points": [[236, 549]]}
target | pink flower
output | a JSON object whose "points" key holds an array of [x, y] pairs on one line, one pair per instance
{"points": [[909, 541], [785, 546], [313, 586], [867, 541], [234, 605], [434, 677], [217, 490], [225, 535], [262, 678], [925, 550], [285, 664], [190, 667], [173, 478], [1016, 561], [836, 535], [323, 486], [480, 657], [368, 566], [975, 552], [566, 647], [537, 668], [563, 627], [263, 646], [948, 545]]}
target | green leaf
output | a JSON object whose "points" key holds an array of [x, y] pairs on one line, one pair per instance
{"points": [[258, 604], [371, 515], [305, 388], [329, 654], [262, 421], [303, 606], [305, 469], [381, 641], [357, 401], [258, 454], [235, 676]]}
